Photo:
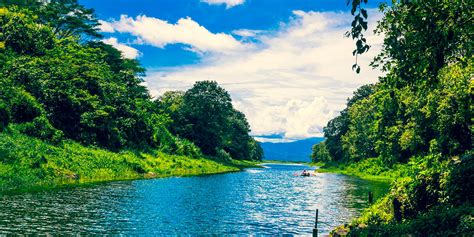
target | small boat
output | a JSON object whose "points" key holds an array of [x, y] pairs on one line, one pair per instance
{"points": [[305, 173]]}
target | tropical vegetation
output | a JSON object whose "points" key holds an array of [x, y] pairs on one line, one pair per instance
{"points": [[70, 103], [415, 125]]}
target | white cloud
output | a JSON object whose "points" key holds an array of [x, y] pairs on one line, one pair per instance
{"points": [[246, 32], [297, 118], [127, 51], [292, 81], [159, 33], [274, 140], [228, 3], [105, 27]]}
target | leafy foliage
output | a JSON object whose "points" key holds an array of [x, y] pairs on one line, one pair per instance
{"points": [[204, 115], [4, 117], [320, 153], [415, 123], [27, 162], [66, 18], [72, 105], [359, 25]]}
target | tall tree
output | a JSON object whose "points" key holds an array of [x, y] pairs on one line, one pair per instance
{"points": [[65, 17], [69, 18], [206, 108]]}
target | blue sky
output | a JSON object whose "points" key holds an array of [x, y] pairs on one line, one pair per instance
{"points": [[285, 63]]}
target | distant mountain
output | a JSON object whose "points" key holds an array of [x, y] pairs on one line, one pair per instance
{"points": [[290, 151]]}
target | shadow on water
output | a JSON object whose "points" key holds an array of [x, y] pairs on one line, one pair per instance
{"points": [[259, 201]]}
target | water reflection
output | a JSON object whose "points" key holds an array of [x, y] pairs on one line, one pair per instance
{"points": [[264, 201]]}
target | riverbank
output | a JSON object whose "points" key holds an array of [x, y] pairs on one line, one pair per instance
{"points": [[368, 169], [28, 163], [421, 194], [256, 202]]}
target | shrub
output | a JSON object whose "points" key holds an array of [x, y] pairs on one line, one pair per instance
{"points": [[460, 183], [41, 128], [223, 155], [320, 153], [24, 107], [4, 117], [187, 148]]}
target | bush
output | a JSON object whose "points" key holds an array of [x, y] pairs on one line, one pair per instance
{"points": [[4, 117], [223, 155], [187, 148], [24, 107], [320, 153], [460, 183], [41, 128]]}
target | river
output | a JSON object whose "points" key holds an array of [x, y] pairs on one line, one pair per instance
{"points": [[268, 201]]}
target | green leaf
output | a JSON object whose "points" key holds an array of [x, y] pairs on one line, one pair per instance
{"points": [[364, 13]]}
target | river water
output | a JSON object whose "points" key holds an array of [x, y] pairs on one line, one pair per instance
{"points": [[268, 201]]}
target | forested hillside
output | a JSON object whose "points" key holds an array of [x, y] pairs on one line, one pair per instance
{"points": [[60, 85], [415, 124]]}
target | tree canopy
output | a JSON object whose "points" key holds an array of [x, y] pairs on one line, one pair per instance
{"points": [[204, 115], [59, 82], [426, 42], [419, 115]]}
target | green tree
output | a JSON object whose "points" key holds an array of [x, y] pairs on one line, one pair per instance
{"points": [[421, 37], [66, 17], [420, 113], [88, 91], [339, 126], [255, 150], [320, 153], [56, 83], [171, 103], [204, 115], [4, 117], [206, 109], [21, 34], [237, 142]]}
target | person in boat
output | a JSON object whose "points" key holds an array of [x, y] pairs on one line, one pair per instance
{"points": [[305, 173]]}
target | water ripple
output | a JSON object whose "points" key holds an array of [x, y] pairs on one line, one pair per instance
{"points": [[258, 201]]}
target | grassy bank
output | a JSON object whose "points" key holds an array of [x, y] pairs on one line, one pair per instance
{"points": [[429, 196], [369, 169], [29, 163]]}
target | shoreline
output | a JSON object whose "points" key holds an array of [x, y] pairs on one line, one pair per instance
{"points": [[235, 166], [343, 171], [32, 164], [352, 171]]}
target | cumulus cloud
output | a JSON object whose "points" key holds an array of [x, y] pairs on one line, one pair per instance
{"points": [[295, 119], [228, 3], [274, 140], [159, 33], [105, 27], [292, 81], [247, 32], [127, 51]]}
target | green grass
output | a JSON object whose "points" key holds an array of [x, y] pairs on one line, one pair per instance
{"points": [[441, 220], [369, 169], [431, 192], [28, 163]]}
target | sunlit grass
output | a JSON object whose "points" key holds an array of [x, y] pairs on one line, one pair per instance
{"points": [[369, 169], [27, 162]]}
